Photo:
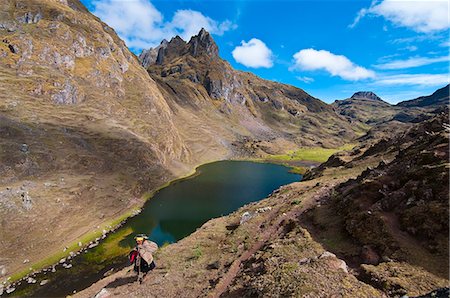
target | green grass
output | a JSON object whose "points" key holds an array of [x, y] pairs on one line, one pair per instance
{"points": [[317, 154], [298, 170], [296, 202], [74, 247], [197, 252], [110, 247]]}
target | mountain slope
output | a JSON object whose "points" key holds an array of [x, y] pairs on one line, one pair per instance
{"points": [[438, 98], [81, 122], [395, 212], [193, 75]]}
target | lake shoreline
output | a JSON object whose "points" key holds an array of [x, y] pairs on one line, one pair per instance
{"points": [[97, 239]]}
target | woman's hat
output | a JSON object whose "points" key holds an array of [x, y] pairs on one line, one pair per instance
{"points": [[140, 237]]}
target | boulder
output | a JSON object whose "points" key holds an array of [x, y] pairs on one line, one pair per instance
{"points": [[369, 255], [3, 270], [102, 294], [327, 254], [246, 216]]}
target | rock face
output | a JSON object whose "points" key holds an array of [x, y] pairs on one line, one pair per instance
{"points": [[149, 57], [203, 44]]}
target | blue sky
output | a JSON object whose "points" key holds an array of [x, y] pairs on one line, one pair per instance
{"points": [[398, 49]]}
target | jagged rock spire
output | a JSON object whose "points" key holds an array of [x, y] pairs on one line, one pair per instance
{"points": [[203, 43], [200, 44]]}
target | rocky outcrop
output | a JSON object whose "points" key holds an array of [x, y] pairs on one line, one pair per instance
{"points": [[30, 18], [149, 57], [68, 94], [203, 43], [213, 87]]}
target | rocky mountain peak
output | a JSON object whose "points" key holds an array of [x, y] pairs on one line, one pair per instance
{"points": [[148, 57], [365, 95], [203, 43], [167, 50], [198, 45], [176, 41]]}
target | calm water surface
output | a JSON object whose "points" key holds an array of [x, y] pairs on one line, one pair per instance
{"points": [[173, 213]]}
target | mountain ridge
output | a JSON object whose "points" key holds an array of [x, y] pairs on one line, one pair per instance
{"points": [[193, 70], [367, 108], [439, 97]]}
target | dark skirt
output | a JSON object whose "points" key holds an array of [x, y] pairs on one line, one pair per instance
{"points": [[145, 267]]}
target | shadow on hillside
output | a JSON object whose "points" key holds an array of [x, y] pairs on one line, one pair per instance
{"points": [[121, 281]]}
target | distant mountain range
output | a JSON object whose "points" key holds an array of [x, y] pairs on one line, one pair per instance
{"points": [[368, 108]]}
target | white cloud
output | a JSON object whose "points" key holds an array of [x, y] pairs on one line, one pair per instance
{"points": [[411, 48], [414, 79], [141, 25], [306, 80], [253, 54], [361, 14], [418, 15], [336, 65], [412, 62], [132, 20]]}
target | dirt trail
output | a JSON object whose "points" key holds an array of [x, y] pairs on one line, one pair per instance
{"points": [[419, 255], [235, 267], [392, 222], [275, 229]]}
